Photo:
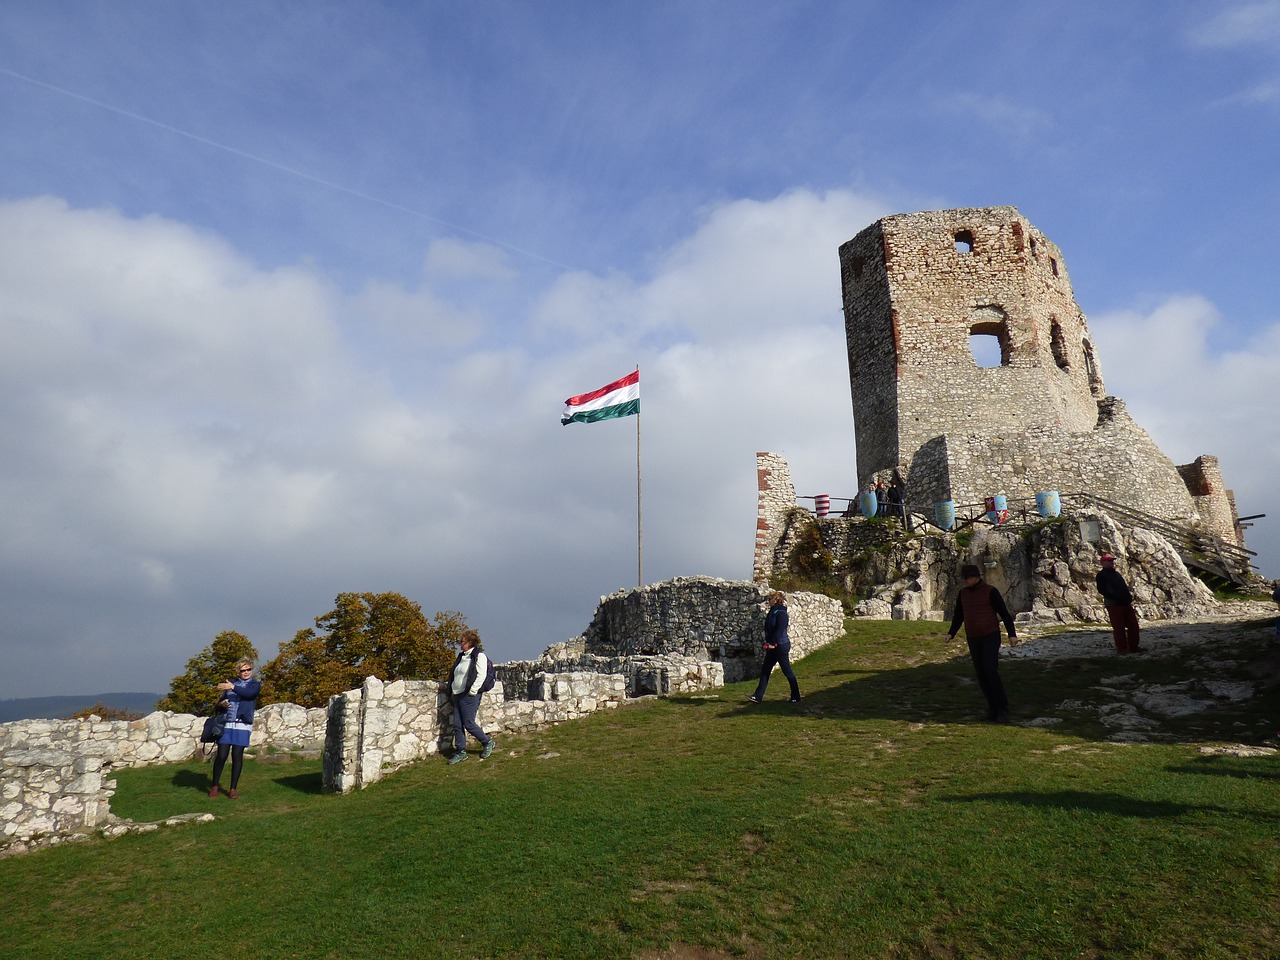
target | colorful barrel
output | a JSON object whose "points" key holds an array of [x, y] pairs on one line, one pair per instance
{"points": [[944, 514], [997, 508], [1048, 504], [868, 503], [822, 504]]}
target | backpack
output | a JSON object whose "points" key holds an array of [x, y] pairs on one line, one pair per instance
{"points": [[490, 674]]}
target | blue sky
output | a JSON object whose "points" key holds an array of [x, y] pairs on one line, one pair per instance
{"points": [[291, 295]]}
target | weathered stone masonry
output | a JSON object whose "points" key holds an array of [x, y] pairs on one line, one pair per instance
{"points": [[916, 287], [55, 775]]}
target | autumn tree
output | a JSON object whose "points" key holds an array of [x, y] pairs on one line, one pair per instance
{"points": [[384, 635], [103, 712], [194, 691]]}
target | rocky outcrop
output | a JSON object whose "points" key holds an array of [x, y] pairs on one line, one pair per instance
{"points": [[1045, 572]]}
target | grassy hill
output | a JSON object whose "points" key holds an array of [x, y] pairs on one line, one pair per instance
{"points": [[880, 818]]}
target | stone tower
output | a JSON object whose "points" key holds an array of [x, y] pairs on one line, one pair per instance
{"points": [[919, 290]]}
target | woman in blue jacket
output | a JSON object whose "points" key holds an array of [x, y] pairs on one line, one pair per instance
{"points": [[777, 648], [241, 698]]}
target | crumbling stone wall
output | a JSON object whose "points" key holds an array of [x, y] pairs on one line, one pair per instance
{"points": [[55, 774], [776, 497], [916, 288], [707, 619], [1215, 504], [642, 676], [681, 635], [382, 727]]}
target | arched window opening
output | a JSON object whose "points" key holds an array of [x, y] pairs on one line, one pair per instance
{"points": [[858, 264], [1053, 265], [1059, 345], [1017, 237], [989, 340], [1033, 248], [986, 349], [964, 241]]}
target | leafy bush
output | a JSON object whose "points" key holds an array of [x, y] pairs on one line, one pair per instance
{"points": [[384, 635], [103, 712]]}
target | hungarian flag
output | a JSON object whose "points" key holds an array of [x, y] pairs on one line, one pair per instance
{"points": [[618, 399]]}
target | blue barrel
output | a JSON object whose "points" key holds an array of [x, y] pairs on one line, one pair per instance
{"points": [[868, 503], [997, 508], [1048, 504], [944, 514]]}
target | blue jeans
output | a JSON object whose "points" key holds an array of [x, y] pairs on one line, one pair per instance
{"points": [[464, 721], [780, 656]]}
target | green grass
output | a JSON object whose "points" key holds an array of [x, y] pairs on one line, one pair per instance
{"points": [[878, 819]]}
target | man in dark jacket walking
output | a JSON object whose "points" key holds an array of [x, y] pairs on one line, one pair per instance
{"points": [[1118, 600], [980, 609]]}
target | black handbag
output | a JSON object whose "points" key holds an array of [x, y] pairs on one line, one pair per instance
{"points": [[213, 727]]}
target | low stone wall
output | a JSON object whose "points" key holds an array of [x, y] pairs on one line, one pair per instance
{"points": [[55, 774], [645, 675], [382, 727], [706, 619]]}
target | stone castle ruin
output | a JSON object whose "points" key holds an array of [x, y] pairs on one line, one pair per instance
{"points": [[918, 288], [1030, 415]]}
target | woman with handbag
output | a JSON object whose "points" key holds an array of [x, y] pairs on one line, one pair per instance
{"points": [[241, 698]]}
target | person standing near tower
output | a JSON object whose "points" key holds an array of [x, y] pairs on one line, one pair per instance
{"points": [[1118, 600], [980, 609]]}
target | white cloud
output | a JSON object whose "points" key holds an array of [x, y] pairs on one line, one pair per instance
{"points": [[751, 267], [1241, 25]]}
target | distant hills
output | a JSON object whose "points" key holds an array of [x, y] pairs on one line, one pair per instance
{"points": [[54, 708]]}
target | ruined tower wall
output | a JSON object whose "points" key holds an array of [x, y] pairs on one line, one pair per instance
{"points": [[1214, 503], [1118, 461], [775, 498], [916, 288]]}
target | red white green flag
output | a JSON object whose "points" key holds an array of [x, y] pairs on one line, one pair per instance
{"points": [[618, 399]]}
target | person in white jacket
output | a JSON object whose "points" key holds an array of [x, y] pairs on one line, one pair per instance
{"points": [[469, 672]]}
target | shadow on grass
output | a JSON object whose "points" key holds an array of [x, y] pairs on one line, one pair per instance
{"points": [[190, 779], [1214, 767], [1073, 694], [1113, 804], [312, 783]]}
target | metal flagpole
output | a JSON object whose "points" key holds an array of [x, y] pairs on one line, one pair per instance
{"points": [[639, 536]]}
